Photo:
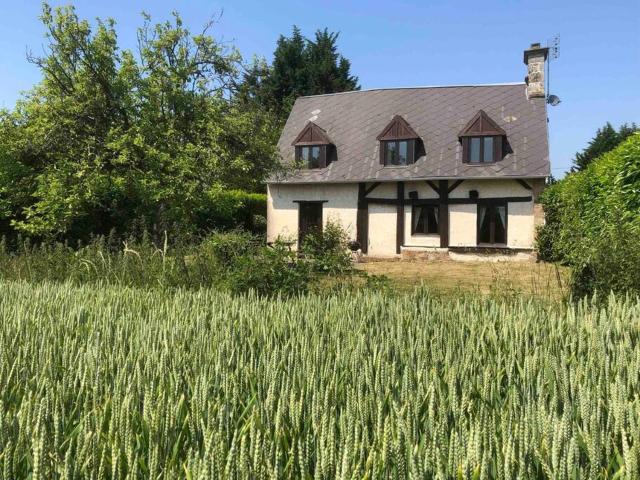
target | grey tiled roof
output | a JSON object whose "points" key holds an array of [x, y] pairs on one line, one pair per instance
{"points": [[354, 119]]}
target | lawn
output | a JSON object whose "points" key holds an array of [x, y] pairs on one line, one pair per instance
{"points": [[542, 280]]}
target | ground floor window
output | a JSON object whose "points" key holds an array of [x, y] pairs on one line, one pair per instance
{"points": [[424, 219], [309, 220], [492, 224]]}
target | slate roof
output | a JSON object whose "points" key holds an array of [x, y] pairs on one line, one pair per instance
{"points": [[353, 120]]}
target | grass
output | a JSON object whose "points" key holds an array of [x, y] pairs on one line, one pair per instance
{"points": [[112, 382], [542, 280]]}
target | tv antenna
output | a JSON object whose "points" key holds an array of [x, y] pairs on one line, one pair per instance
{"points": [[554, 53]]}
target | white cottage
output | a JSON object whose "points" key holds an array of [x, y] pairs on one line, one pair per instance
{"points": [[417, 169]]}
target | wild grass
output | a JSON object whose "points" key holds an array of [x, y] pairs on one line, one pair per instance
{"points": [[112, 382]]}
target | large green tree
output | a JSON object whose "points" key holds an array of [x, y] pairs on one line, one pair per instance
{"points": [[605, 140], [112, 136], [300, 67]]}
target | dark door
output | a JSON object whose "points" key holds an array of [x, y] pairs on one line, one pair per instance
{"points": [[310, 219]]}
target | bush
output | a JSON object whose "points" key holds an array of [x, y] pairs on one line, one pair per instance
{"points": [[328, 251], [227, 247], [270, 270], [593, 222], [230, 209]]}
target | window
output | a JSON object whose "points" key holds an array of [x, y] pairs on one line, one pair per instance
{"points": [[482, 140], [492, 224], [398, 152], [483, 149], [311, 156], [424, 219], [314, 148]]}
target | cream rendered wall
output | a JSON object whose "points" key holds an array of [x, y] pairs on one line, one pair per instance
{"points": [[520, 225], [384, 190], [382, 230], [462, 225], [520, 220], [282, 212], [420, 240]]}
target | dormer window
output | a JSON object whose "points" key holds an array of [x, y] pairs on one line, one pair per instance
{"points": [[398, 152], [313, 148], [400, 145], [482, 140], [310, 156]]}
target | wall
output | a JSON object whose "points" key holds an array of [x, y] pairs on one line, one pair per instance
{"points": [[520, 222], [342, 201], [282, 211], [382, 230]]}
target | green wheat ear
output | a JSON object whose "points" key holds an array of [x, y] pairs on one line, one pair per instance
{"points": [[120, 383]]}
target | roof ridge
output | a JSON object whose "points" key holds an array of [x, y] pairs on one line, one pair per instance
{"points": [[419, 87]]}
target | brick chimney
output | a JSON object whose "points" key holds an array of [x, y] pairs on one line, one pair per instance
{"points": [[534, 58]]}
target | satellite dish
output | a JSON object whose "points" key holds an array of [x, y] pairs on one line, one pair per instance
{"points": [[553, 100]]}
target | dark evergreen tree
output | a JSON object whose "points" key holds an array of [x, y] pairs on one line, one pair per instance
{"points": [[300, 67], [605, 140]]}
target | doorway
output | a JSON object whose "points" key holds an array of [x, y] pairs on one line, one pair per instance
{"points": [[309, 220]]}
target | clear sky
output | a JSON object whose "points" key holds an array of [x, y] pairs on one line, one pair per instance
{"points": [[406, 43]]}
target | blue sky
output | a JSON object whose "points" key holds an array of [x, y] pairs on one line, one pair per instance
{"points": [[405, 43]]}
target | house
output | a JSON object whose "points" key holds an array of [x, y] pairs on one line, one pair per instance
{"points": [[403, 170]]}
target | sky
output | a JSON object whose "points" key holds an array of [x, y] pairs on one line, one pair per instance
{"points": [[400, 44]]}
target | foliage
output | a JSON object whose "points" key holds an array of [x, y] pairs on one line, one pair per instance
{"points": [[328, 250], [110, 137], [124, 383], [236, 261], [605, 140], [229, 209], [271, 270], [593, 221], [300, 67]]}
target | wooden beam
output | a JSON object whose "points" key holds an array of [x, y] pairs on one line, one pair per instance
{"points": [[523, 183], [448, 201], [371, 188], [462, 201], [362, 218], [455, 185], [433, 186], [400, 217], [443, 213]]}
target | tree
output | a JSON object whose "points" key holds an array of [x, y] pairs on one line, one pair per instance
{"points": [[110, 137], [605, 140], [300, 67]]}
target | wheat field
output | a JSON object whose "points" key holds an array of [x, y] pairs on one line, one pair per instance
{"points": [[108, 382]]}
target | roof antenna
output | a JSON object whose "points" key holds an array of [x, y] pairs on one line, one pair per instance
{"points": [[554, 54]]}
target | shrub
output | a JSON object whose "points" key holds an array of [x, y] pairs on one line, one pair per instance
{"points": [[227, 247], [328, 251], [593, 222], [271, 270], [230, 209]]}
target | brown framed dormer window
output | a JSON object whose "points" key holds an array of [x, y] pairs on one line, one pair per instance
{"points": [[313, 147], [485, 149], [400, 145], [399, 152], [482, 140], [311, 156]]}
